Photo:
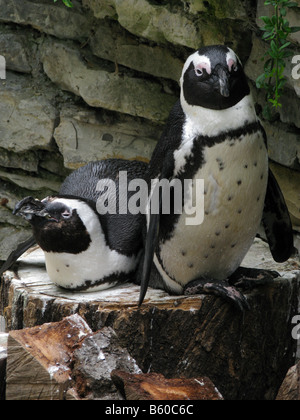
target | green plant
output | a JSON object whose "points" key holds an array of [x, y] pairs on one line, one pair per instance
{"points": [[68, 3], [276, 31]]}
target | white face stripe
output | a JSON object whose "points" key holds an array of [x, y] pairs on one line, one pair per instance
{"points": [[202, 61], [199, 61], [231, 56], [84, 211]]}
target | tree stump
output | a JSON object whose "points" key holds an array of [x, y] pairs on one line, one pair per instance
{"points": [[245, 355]]}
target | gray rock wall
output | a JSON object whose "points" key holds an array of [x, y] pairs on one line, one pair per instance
{"points": [[99, 80]]}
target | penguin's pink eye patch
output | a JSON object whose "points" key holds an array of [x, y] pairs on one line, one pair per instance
{"points": [[66, 214], [232, 65], [200, 67]]}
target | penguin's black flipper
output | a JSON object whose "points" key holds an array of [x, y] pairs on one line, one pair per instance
{"points": [[277, 222], [162, 167], [23, 247], [150, 245]]}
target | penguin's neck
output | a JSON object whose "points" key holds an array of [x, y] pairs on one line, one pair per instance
{"points": [[211, 123]]}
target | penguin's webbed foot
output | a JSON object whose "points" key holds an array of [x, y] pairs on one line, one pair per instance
{"points": [[249, 278], [218, 288]]}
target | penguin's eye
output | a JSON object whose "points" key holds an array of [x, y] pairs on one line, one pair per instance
{"points": [[233, 65], [66, 214], [199, 72]]}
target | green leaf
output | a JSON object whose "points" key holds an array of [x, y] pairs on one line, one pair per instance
{"points": [[274, 20], [261, 78], [268, 65], [281, 84], [266, 35], [288, 53], [68, 3], [265, 19], [286, 23], [274, 47], [276, 31], [283, 11], [295, 29], [292, 4], [284, 46]]}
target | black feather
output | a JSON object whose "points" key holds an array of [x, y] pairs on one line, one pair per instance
{"points": [[277, 222], [150, 246], [23, 247]]}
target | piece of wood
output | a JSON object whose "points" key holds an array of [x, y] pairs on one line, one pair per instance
{"points": [[93, 361], [177, 336], [290, 388], [154, 386], [38, 360]]}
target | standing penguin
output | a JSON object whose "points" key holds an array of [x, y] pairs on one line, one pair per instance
{"points": [[213, 134], [85, 250]]}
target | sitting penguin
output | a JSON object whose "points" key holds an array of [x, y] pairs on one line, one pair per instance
{"points": [[85, 250], [213, 134]]}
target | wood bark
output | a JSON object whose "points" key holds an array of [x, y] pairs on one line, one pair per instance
{"points": [[245, 355]]}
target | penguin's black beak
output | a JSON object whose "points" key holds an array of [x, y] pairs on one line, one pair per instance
{"points": [[223, 82], [29, 207]]}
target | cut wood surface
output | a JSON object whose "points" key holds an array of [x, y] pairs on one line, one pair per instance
{"points": [[154, 386], [245, 355], [38, 362]]}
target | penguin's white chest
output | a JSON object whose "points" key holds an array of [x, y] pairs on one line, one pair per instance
{"points": [[97, 268], [235, 174]]}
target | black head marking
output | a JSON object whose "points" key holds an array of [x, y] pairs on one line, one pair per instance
{"points": [[63, 230], [213, 78], [58, 211], [56, 225]]}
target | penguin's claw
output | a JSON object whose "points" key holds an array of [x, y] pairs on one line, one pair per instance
{"points": [[249, 278], [220, 289]]}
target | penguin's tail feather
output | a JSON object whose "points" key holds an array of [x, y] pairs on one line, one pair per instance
{"points": [[23, 247]]}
